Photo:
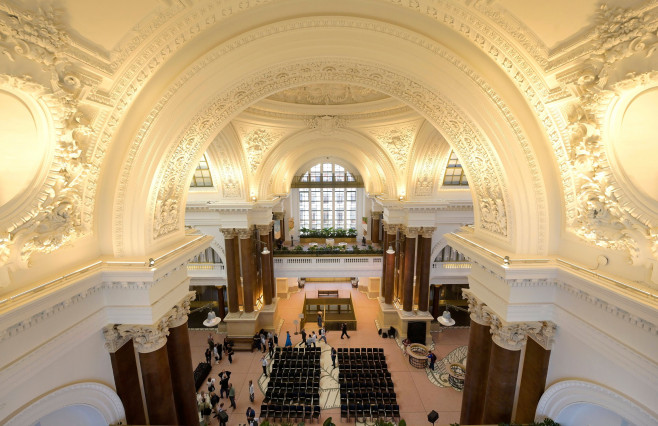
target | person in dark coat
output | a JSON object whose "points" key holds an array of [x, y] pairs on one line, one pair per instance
{"points": [[208, 355], [333, 357], [303, 336], [343, 329]]}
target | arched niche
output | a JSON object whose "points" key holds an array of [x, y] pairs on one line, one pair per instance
{"points": [[91, 401], [570, 401], [286, 54], [301, 149]]}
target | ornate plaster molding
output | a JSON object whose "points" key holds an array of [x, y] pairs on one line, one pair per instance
{"points": [[427, 232], [543, 333], [147, 338], [427, 173], [228, 233], [56, 215], [244, 233], [326, 124], [328, 94], [510, 336], [256, 143], [397, 142], [605, 216], [476, 308], [177, 315], [113, 339], [411, 232], [264, 229]]}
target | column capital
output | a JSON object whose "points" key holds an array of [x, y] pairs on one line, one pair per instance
{"points": [[177, 315], [411, 232], [147, 338], [427, 232], [264, 229], [113, 339], [228, 233], [510, 336], [391, 228], [476, 308], [543, 332], [277, 215], [244, 233], [376, 215]]}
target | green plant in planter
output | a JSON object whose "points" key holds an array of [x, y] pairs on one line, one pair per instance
{"points": [[298, 248], [351, 232], [381, 422], [313, 248]]}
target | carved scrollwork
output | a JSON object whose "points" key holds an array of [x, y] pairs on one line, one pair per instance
{"points": [[147, 338], [326, 124], [113, 339], [177, 316], [510, 336], [476, 308], [543, 333]]}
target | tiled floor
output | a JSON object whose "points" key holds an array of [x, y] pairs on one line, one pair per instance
{"points": [[417, 394]]}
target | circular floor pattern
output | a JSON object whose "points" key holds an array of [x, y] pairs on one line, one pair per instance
{"points": [[439, 376]]}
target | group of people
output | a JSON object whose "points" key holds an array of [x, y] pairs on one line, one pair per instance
{"points": [[217, 350], [264, 341]]}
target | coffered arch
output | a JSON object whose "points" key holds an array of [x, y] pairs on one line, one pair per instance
{"points": [[348, 56]]}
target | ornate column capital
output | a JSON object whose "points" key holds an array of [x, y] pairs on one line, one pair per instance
{"points": [[113, 339], [427, 232], [376, 215], [277, 215], [228, 233], [147, 338], [411, 232], [264, 229], [543, 333], [177, 315], [476, 308], [510, 336], [244, 233], [391, 228]]}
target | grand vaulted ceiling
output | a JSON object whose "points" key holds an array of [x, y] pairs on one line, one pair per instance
{"points": [[539, 100]]}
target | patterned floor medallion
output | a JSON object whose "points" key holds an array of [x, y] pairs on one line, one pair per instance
{"points": [[439, 376]]}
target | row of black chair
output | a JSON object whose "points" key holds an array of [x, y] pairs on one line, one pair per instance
{"points": [[356, 375], [364, 397], [305, 364], [286, 396], [364, 366], [360, 357], [288, 349], [290, 412], [359, 350], [307, 386], [363, 412]]}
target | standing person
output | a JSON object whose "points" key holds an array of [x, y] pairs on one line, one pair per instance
{"points": [[303, 336], [211, 385], [208, 355], [206, 411], [432, 359], [292, 241], [314, 339], [323, 335], [276, 339], [216, 354], [230, 354], [263, 342], [214, 399], [219, 350], [252, 394], [211, 342], [251, 414], [263, 362], [270, 343], [223, 383], [319, 319], [288, 339], [222, 415], [231, 395], [333, 357], [343, 329]]}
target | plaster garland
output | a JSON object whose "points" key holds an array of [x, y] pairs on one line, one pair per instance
{"points": [[326, 124]]}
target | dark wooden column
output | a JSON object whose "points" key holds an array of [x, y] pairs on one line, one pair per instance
{"points": [[409, 260], [248, 270], [399, 265], [477, 370], [425, 256], [435, 301], [389, 277], [126, 377], [151, 343], [418, 267], [271, 258], [503, 371], [232, 269], [182, 371], [533, 379], [266, 271], [221, 303], [374, 229], [382, 285]]}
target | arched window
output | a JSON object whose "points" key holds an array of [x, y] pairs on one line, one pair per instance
{"points": [[454, 175], [202, 178], [327, 197]]}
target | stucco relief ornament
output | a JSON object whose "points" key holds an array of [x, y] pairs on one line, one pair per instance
{"points": [[113, 339], [147, 338], [256, 143], [508, 336], [177, 316], [326, 124], [602, 217], [476, 308], [397, 142]]}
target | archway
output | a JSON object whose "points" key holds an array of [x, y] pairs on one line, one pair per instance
{"points": [[498, 183]]}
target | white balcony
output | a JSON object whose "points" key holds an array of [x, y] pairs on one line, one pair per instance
{"points": [[450, 270], [206, 270], [305, 266]]}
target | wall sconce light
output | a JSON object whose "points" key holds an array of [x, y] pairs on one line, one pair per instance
{"points": [[253, 198], [265, 251], [151, 262], [401, 198], [506, 261], [390, 250]]}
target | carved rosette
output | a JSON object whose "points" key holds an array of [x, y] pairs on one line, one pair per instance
{"points": [[113, 339], [476, 308], [147, 338]]}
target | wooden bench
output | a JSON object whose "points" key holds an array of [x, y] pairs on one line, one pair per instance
{"points": [[242, 343]]}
